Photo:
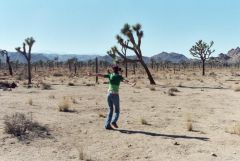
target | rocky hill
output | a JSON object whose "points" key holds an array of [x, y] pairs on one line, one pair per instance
{"points": [[170, 57]]}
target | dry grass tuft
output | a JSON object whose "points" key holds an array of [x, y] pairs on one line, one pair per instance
{"points": [[144, 122], [235, 129], [30, 101], [237, 89], [102, 115], [64, 106], [189, 123], [83, 156]]}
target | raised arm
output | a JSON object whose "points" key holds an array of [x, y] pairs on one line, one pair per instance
{"points": [[129, 83]]}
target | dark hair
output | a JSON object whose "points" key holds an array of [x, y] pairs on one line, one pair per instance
{"points": [[116, 69]]}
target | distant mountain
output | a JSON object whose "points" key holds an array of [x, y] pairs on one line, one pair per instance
{"points": [[171, 57], [14, 56], [69, 56], [231, 57], [234, 55], [234, 52], [164, 56]]}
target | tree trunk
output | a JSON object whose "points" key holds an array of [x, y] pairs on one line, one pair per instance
{"points": [[75, 68], [29, 72], [126, 68], [203, 67], [96, 61], [9, 66], [148, 72], [134, 68], [69, 67]]}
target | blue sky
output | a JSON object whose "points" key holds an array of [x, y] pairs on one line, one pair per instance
{"points": [[90, 26]]}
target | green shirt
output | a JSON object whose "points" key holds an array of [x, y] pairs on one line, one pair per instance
{"points": [[114, 81]]}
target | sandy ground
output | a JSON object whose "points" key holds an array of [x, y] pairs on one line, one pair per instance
{"points": [[210, 102]]}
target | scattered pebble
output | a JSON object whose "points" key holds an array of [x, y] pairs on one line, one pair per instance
{"points": [[214, 155], [176, 143]]}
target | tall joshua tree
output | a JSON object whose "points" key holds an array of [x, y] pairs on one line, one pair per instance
{"points": [[129, 31], [203, 51], [28, 55], [5, 53]]}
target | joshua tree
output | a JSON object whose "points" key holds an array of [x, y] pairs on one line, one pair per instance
{"points": [[5, 53], [28, 55], [73, 61], [203, 51], [128, 31], [56, 60]]}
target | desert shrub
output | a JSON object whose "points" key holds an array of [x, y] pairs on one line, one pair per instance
{"points": [[71, 84], [57, 74], [180, 84], [51, 96], [212, 74], [46, 86], [88, 84], [172, 90], [152, 88], [19, 125]]}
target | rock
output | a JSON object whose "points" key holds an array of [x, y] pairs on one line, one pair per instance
{"points": [[129, 145], [214, 155], [176, 143]]}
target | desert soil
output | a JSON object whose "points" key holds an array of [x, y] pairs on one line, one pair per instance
{"points": [[209, 103]]}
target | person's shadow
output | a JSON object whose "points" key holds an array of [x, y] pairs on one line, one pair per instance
{"points": [[161, 135]]}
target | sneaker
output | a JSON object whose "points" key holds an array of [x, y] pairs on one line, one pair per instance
{"points": [[114, 124], [109, 127]]}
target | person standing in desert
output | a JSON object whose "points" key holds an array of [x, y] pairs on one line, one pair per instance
{"points": [[113, 95]]}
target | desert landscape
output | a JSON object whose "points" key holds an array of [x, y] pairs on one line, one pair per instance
{"points": [[183, 117], [175, 65]]}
